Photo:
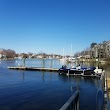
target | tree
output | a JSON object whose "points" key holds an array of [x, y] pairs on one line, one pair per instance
{"points": [[9, 53], [93, 44]]}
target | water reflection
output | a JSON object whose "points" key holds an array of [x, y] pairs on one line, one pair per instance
{"points": [[23, 75], [78, 81], [43, 76]]}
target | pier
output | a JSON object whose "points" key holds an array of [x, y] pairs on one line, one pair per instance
{"points": [[50, 70], [35, 69]]}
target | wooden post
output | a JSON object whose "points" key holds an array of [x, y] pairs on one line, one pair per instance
{"points": [[24, 61], [51, 64], [68, 72], [43, 63]]}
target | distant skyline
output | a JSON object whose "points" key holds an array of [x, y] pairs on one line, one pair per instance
{"points": [[51, 25]]}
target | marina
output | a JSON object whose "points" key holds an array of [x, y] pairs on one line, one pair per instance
{"points": [[72, 72], [32, 86], [53, 70], [54, 55]]}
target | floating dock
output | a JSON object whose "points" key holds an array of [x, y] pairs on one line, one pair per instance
{"points": [[48, 70], [35, 69]]}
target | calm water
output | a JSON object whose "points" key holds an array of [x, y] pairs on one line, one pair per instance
{"points": [[36, 90]]}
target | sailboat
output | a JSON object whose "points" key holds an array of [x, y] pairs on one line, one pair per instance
{"points": [[72, 59], [63, 59]]}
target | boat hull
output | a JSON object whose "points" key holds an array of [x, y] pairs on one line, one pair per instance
{"points": [[76, 72]]}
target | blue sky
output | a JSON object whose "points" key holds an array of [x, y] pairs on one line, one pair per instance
{"points": [[51, 25]]}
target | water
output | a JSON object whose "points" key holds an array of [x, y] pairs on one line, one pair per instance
{"points": [[36, 90]]}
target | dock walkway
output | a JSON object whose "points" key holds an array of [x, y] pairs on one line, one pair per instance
{"points": [[35, 69], [48, 70]]}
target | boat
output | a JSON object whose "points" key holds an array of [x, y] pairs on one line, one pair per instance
{"points": [[77, 71], [72, 59], [63, 59]]}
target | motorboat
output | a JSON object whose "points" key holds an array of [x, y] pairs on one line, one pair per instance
{"points": [[77, 71]]}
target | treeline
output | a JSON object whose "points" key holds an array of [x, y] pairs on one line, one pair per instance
{"points": [[95, 50], [7, 53]]}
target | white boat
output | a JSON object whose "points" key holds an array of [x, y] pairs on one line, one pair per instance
{"points": [[63, 59], [72, 59]]}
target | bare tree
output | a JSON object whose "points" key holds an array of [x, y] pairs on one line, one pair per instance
{"points": [[9, 53]]}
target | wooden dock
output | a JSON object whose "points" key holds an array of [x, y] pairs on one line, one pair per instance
{"points": [[48, 70], [34, 69]]}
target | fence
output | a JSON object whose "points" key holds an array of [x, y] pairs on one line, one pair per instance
{"points": [[72, 103], [102, 97]]}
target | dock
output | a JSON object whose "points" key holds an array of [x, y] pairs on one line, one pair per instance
{"points": [[48, 70], [34, 69]]}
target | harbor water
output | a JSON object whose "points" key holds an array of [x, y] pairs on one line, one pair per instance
{"points": [[38, 90]]}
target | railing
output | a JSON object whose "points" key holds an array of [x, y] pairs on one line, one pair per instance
{"points": [[100, 93], [106, 96], [72, 103], [102, 98]]}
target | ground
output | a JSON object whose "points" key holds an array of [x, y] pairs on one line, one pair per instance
{"points": [[108, 80]]}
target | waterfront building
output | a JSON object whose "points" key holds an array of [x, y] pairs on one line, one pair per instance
{"points": [[101, 50], [94, 51], [107, 49]]}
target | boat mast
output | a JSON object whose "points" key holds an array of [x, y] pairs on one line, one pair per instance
{"points": [[63, 54], [71, 51]]}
